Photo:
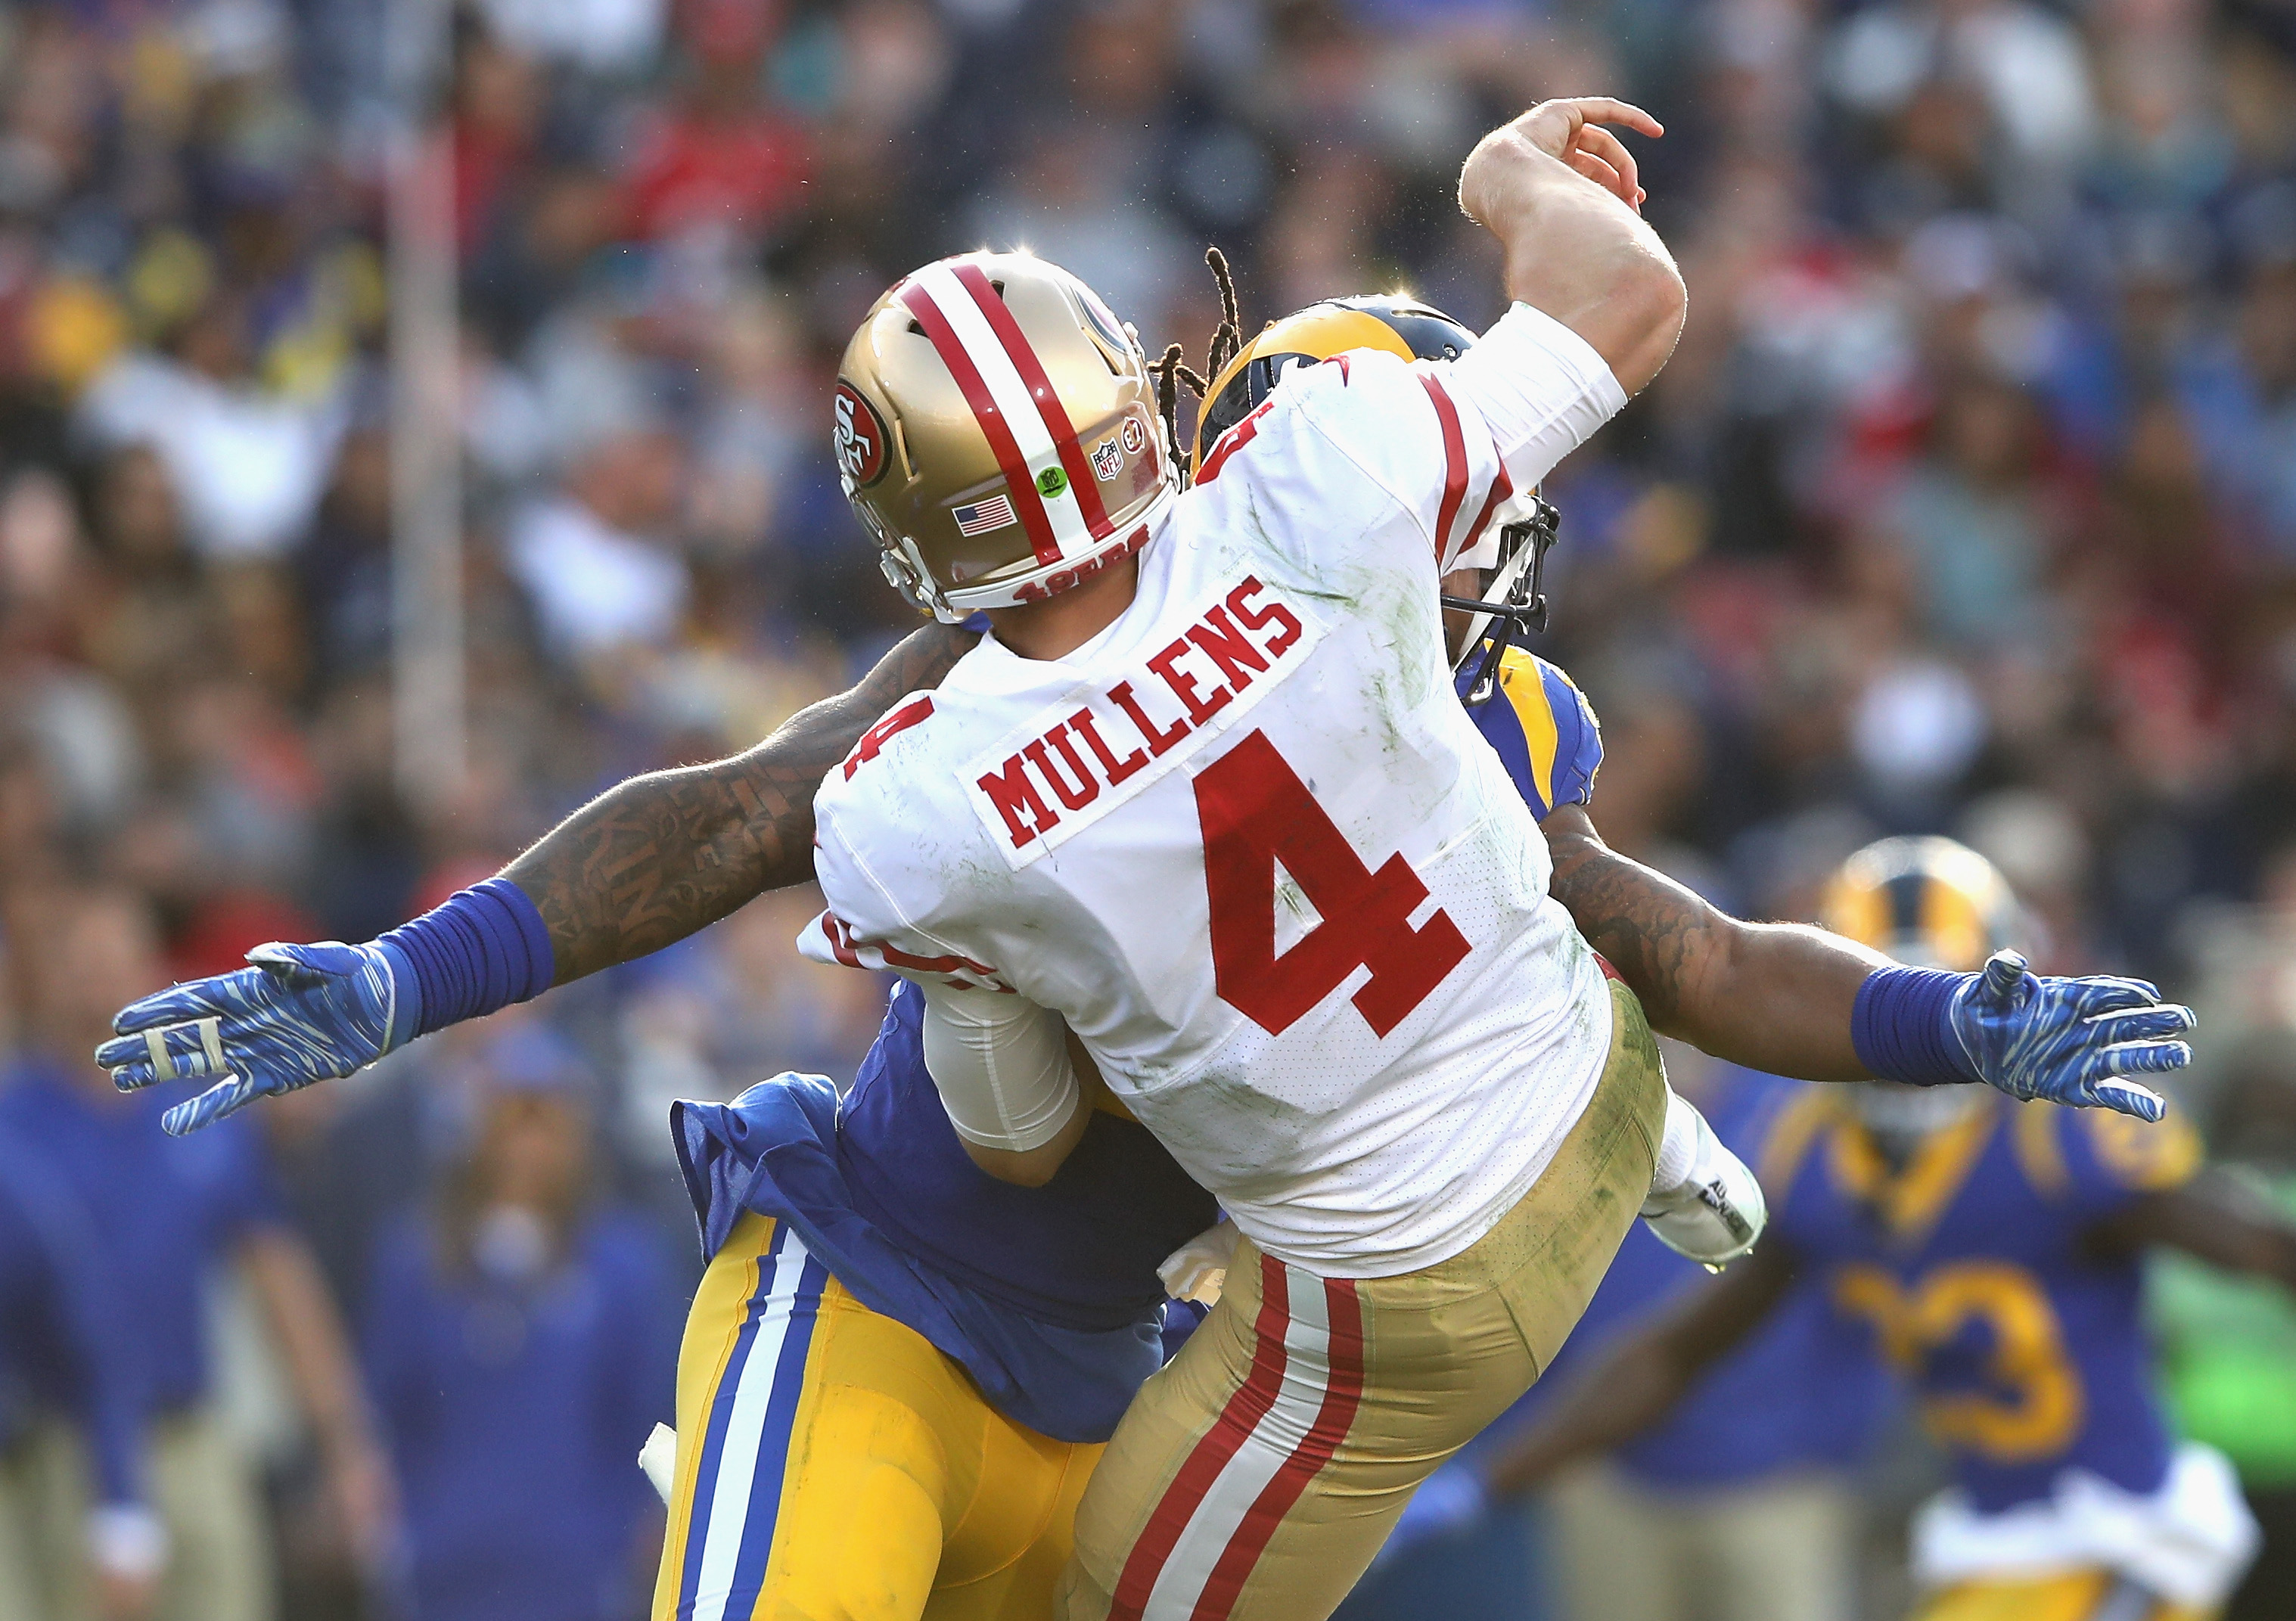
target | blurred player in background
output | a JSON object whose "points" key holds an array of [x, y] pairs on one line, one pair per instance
{"points": [[2228, 1337], [1996, 1252], [167, 1223], [1742, 1504], [64, 1355]]}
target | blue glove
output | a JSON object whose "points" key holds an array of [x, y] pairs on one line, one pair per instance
{"points": [[302, 1013], [2068, 1041]]}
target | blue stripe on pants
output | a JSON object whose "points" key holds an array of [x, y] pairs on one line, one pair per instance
{"points": [[745, 1447]]}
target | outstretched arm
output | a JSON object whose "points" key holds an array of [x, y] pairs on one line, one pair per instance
{"points": [[658, 857], [1801, 1002], [647, 863], [1642, 1378], [1773, 996], [2212, 1218]]}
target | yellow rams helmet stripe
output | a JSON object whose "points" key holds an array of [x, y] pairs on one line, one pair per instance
{"points": [[1927, 901], [1393, 324], [1526, 690]]}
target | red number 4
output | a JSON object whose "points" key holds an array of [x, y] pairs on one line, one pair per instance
{"points": [[1255, 812]]}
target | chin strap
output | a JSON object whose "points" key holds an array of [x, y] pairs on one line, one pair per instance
{"points": [[1523, 612]]}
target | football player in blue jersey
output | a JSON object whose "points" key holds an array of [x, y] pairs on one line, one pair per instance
{"points": [[870, 1303], [1993, 1248]]}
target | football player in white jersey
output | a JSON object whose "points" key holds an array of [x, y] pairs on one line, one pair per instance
{"points": [[1203, 800]]}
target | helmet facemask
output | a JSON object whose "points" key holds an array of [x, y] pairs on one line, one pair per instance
{"points": [[1512, 605]]}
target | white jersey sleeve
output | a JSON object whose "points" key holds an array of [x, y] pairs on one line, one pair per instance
{"points": [[1001, 1065], [1447, 442], [1541, 389], [863, 925], [999, 1062]]}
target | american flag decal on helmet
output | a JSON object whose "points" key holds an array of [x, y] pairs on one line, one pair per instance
{"points": [[978, 519]]}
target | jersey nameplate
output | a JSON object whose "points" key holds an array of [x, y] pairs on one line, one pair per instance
{"points": [[1072, 762]]}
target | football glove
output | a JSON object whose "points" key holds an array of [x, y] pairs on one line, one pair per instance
{"points": [[1711, 1208], [302, 1013], [2068, 1041]]}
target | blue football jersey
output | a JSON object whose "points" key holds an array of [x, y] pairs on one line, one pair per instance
{"points": [[2026, 1350], [1542, 728]]}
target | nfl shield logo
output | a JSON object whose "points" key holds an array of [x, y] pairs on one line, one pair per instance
{"points": [[1107, 461]]}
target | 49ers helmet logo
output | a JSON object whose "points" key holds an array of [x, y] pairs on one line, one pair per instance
{"points": [[860, 440]]}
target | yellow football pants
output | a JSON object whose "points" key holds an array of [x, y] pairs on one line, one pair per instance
{"points": [[2088, 1595], [834, 1466]]}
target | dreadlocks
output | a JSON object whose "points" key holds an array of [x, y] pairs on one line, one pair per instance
{"points": [[1173, 372]]}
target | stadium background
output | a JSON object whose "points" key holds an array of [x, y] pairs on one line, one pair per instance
{"points": [[1968, 505]]}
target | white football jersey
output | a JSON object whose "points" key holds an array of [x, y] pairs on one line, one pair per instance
{"points": [[1246, 840]]}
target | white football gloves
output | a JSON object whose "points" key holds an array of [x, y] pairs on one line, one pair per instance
{"points": [[1703, 1202]]}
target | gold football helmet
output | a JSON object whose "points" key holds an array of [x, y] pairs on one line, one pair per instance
{"points": [[996, 431], [1517, 531], [1928, 902]]}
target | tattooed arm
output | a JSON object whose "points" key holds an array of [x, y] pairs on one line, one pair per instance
{"points": [[1772, 996], [658, 857]]}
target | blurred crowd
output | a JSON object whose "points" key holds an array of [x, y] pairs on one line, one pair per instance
{"points": [[1968, 505]]}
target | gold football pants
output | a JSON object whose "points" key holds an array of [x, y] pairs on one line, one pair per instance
{"points": [[1255, 1476], [834, 1466]]}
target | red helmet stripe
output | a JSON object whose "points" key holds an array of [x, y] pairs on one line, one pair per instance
{"points": [[1502, 486], [1454, 465], [1020, 484], [1018, 350]]}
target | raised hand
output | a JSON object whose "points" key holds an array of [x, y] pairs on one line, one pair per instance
{"points": [[1572, 129], [302, 1013], [2069, 1041]]}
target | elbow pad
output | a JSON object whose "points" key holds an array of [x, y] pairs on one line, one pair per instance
{"points": [[1001, 1065]]}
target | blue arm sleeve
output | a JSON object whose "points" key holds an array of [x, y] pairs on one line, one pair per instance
{"points": [[1543, 729]]}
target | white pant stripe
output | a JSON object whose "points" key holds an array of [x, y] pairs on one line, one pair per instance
{"points": [[729, 1505], [1306, 1374]]}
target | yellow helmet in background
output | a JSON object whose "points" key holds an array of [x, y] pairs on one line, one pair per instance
{"points": [[996, 433], [1389, 322], [1926, 901]]}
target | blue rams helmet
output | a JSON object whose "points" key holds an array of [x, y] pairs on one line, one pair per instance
{"points": [[1506, 555], [1930, 902]]}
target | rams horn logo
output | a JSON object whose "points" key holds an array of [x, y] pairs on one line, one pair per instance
{"points": [[859, 441]]}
